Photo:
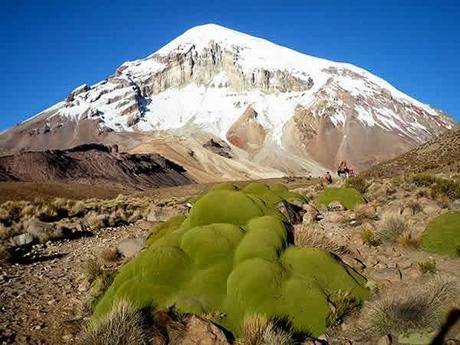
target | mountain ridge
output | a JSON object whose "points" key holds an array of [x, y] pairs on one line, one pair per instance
{"points": [[203, 81]]}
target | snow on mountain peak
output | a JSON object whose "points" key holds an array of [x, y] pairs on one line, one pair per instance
{"points": [[208, 76]]}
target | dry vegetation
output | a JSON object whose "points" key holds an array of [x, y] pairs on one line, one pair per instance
{"points": [[392, 228], [120, 327], [259, 330], [413, 309], [314, 236]]}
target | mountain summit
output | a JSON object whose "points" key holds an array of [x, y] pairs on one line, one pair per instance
{"points": [[272, 109]]}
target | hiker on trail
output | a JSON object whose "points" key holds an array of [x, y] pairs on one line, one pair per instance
{"points": [[327, 178], [343, 169]]}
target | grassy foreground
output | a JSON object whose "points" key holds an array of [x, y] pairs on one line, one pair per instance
{"points": [[233, 255]]}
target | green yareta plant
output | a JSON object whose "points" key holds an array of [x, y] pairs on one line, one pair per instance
{"points": [[232, 255]]}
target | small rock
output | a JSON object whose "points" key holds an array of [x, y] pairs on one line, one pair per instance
{"points": [[385, 340], [199, 331], [23, 239], [389, 274], [335, 206]]}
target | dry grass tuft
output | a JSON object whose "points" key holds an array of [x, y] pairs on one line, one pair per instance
{"points": [[413, 309], [407, 240], [392, 228], [123, 325], [92, 269], [414, 206], [110, 254], [259, 330], [427, 266], [313, 236], [343, 303], [368, 235], [364, 213]]}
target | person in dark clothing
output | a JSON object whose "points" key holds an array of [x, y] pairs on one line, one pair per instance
{"points": [[327, 178]]}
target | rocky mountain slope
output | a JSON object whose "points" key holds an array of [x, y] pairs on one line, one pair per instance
{"points": [[93, 164], [283, 111], [439, 155]]}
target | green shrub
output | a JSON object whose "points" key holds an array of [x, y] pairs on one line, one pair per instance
{"points": [[359, 183], [427, 266], [368, 236], [442, 234], [423, 180], [348, 197], [231, 255], [449, 188]]}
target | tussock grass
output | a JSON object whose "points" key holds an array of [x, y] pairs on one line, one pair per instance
{"points": [[313, 236], [122, 326], [414, 206], [259, 330], [411, 309], [391, 229], [407, 240], [343, 303], [110, 254], [92, 269]]}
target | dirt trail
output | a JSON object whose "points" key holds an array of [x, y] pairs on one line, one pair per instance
{"points": [[41, 300]]}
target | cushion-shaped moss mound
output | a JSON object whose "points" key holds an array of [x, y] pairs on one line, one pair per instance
{"points": [[232, 255], [442, 235], [348, 197]]}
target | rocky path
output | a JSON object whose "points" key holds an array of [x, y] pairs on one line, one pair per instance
{"points": [[41, 299]]}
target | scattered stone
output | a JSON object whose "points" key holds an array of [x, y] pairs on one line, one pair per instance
{"points": [[199, 331], [23, 239], [392, 275]]}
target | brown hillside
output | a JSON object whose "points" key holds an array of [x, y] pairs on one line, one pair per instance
{"points": [[93, 164], [440, 155]]}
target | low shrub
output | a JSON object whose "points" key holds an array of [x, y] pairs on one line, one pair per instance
{"points": [[449, 188], [392, 228], [368, 236], [359, 183], [123, 325], [423, 180], [427, 266]]}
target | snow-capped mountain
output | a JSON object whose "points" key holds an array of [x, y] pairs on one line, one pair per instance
{"points": [[271, 105]]}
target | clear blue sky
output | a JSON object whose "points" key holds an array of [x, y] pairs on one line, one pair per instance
{"points": [[49, 47]]}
